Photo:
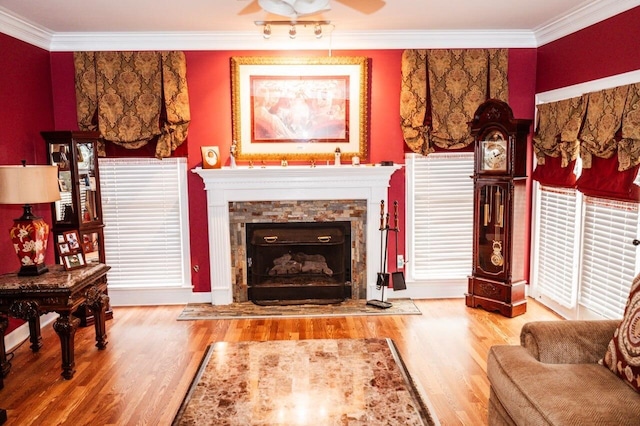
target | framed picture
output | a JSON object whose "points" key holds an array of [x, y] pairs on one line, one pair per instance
{"points": [[299, 108], [73, 260], [73, 239], [210, 157], [63, 248]]}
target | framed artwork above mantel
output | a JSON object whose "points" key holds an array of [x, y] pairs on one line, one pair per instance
{"points": [[299, 109]]}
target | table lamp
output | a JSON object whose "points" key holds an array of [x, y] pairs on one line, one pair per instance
{"points": [[29, 185]]}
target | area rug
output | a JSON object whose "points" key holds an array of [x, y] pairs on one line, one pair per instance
{"points": [[304, 382], [197, 311]]}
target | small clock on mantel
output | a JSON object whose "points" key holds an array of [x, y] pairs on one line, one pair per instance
{"points": [[498, 282]]}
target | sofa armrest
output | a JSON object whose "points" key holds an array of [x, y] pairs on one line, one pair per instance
{"points": [[567, 342]]}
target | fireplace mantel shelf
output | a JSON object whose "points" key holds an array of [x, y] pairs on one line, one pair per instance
{"points": [[364, 182], [305, 175]]}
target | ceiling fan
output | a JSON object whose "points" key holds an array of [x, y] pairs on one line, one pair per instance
{"points": [[297, 8]]}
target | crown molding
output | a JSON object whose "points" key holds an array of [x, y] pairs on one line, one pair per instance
{"points": [[21, 29], [577, 19], [581, 17], [64, 42]]}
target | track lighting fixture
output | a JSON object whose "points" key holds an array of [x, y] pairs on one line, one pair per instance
{"points": [[293, 27]]}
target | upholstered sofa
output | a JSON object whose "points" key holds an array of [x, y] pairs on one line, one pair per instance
{"points": [[554, 378]]}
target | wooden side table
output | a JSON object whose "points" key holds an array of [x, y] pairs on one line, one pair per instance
{"points": [[58, 291]]}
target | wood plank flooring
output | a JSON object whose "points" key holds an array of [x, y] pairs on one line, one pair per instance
{"points": [[142, 376]]}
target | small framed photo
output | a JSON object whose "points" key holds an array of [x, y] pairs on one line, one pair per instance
{"points": [[63, 249], [211, 157], [73, 239], [73, 261]]}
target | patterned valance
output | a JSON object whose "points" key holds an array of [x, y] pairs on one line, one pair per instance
{"points": [[557, 130], [441, 90], [599, 124], [133, 97]]}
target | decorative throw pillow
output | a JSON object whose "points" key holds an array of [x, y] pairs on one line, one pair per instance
{"points": [[623, 354]]}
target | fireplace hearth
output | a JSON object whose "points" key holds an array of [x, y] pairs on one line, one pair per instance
{"points": [[298, 262]]}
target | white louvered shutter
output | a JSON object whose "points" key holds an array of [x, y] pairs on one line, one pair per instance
{"points": [[442, 215], [144, 209], [609, 256], [557, 257]]}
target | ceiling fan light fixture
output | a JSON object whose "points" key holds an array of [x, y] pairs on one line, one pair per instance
{"points": [[294, 8]]}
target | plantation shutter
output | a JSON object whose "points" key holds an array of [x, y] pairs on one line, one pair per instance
{"points": [[442, 215], [609, 256], [145, 214], [556, 260]]}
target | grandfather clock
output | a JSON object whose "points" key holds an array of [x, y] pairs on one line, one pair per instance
{"points": [[498, 282]]}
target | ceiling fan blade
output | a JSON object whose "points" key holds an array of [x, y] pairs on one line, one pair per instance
{"points": [[365, 6], [252, 7]]}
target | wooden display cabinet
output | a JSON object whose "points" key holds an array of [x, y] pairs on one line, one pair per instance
{"points": [[80, 204], [498, 276]]}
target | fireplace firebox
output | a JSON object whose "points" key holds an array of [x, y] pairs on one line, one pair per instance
{"points": [[298, 262]]}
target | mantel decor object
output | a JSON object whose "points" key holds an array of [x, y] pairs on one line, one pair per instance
{"points": [[29, 185]]}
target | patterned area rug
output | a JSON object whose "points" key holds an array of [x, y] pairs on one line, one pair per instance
{"points": [[196, 311], [304, 382]]}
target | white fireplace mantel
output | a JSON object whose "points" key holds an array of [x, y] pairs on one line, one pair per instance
{"points": [[292, 183]]}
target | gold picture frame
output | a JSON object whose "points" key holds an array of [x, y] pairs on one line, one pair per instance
{"points": [[299, 109]]}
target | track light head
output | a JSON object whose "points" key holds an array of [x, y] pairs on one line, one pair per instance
{"points": [[266, 32], [292, 31], [318, 31]]}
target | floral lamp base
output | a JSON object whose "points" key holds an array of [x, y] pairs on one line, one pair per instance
{"points": [[29, 237]]}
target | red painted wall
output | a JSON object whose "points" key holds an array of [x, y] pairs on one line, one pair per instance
{"points": [[208, 75], [604, 49], [26, 108]]}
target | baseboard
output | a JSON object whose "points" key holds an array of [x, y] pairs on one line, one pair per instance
{"points": [[20, 334]]}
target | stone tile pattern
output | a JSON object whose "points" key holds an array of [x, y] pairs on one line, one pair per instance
{"points": [[242, 212], [304, 382], [246, 310]]}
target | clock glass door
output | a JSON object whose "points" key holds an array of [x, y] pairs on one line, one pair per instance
{"points": [[491, 229]]}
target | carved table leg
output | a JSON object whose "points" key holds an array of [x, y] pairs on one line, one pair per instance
{"points": [[98, 302], [35, 337], [65, 326], [4, 364]]}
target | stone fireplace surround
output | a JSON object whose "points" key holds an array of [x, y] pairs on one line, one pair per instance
{"points": [[293, 183]]}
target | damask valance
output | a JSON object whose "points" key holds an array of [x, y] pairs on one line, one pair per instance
{"points": [[603, 128], [441, 90], [134, 97]]}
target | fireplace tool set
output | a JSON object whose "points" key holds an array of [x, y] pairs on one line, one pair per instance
{"points": [[397, 277]]}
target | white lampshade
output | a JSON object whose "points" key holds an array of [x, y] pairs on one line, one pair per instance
{"points": [[28, 184]]}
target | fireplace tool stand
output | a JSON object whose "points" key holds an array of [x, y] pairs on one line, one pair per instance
{"points": [[383, 276]]}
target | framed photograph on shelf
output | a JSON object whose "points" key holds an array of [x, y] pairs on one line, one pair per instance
{"points": [[73, 261], [299, 108], [211, 157], [70, 250], [73, 239]]}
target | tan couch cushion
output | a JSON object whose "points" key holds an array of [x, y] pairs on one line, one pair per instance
{"points": [[623, 353], [535, 393]]}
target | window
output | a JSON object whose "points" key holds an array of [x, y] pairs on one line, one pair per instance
{"points": [[584, 259], [146, 228], [440, 217]]}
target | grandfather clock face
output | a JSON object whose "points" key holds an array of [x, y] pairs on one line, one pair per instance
{"points": [[493, 152]]}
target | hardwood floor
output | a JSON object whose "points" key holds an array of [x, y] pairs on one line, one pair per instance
{"points": [[151, 359]]}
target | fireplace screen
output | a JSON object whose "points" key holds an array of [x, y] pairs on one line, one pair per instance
{"points": [[301, 262]]}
